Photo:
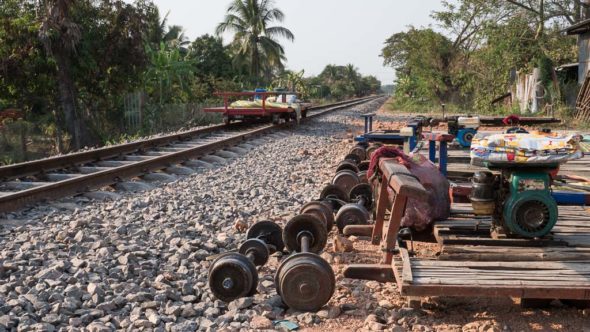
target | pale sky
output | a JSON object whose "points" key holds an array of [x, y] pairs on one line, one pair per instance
{"points": [[326, 31]]}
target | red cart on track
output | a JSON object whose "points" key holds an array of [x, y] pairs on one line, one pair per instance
{"points": [[262, 106]]}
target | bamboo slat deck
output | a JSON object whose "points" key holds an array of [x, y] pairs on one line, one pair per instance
{"points": [[525, 280], [473, 264]]}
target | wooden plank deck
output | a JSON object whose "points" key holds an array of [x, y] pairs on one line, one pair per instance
{"points": [[472, 264], [528, 280]]}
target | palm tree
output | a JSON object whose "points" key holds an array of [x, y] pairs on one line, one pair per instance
{"points": [[351, 72], [352, 76], [171, 35], [256, 40], [330, 73]]}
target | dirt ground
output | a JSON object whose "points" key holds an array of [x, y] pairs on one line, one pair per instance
{"points": [[436, 314]]}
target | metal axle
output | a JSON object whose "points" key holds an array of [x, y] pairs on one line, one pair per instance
{"points": [[361, 201], [305, 242], [250, 256]]}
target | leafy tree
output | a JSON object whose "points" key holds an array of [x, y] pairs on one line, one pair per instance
{"points": [[482, 45], [60, 36], [166, 77], [210, 57], [20, 55], [370, 85], [72, 57], [423, 60], [110, 59], [254, 38], [345, 81], [571, 11], [465, 22]]}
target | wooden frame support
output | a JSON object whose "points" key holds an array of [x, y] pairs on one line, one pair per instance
{"points": [[403, 185], [397, 185], [388, 242]]}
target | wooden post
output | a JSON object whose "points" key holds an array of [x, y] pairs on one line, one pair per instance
{"points": [[382, 203], [395, 219]]}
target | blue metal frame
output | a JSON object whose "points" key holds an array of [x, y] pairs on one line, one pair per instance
{"points": [[386, 136], [571, 198], [412, 141]]}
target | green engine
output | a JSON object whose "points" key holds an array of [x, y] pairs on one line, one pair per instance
{"points": [[526, 207]]}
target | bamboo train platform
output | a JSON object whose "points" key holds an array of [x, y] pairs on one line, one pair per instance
{"points": [[469, 261], [472, 264]]}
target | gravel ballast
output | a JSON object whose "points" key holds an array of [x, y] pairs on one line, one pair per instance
{"points": [[140, 262]]}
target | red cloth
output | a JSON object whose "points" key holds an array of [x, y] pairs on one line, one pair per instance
{"points": [[419, 213], [384, 152], [511, 120]]}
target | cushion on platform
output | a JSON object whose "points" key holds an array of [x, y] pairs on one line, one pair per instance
{"points": [[532, 148]]}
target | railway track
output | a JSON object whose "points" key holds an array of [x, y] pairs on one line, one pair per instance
{"points": [[47, 179]]}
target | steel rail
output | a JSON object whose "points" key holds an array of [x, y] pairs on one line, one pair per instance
{"points": [[21, 170], [84, 182]]}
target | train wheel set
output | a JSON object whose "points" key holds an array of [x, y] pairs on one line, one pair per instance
{"points": [[303, 279]]}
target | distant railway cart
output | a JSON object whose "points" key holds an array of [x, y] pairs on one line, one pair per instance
{"points": [[260, 106]]}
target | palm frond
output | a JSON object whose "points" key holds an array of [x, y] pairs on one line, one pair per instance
{"points": [[280, 32], [274, 14]]}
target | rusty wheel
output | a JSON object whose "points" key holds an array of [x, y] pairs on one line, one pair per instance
{"points": [[364, 165], [335, 196], [353, 158], [257, 249], [305, 282], [347, 165], [322, 210], [363, 191], [232, 276], [351, 214], [269, 232], [360, 151], [346, 180], [307, 224]]}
